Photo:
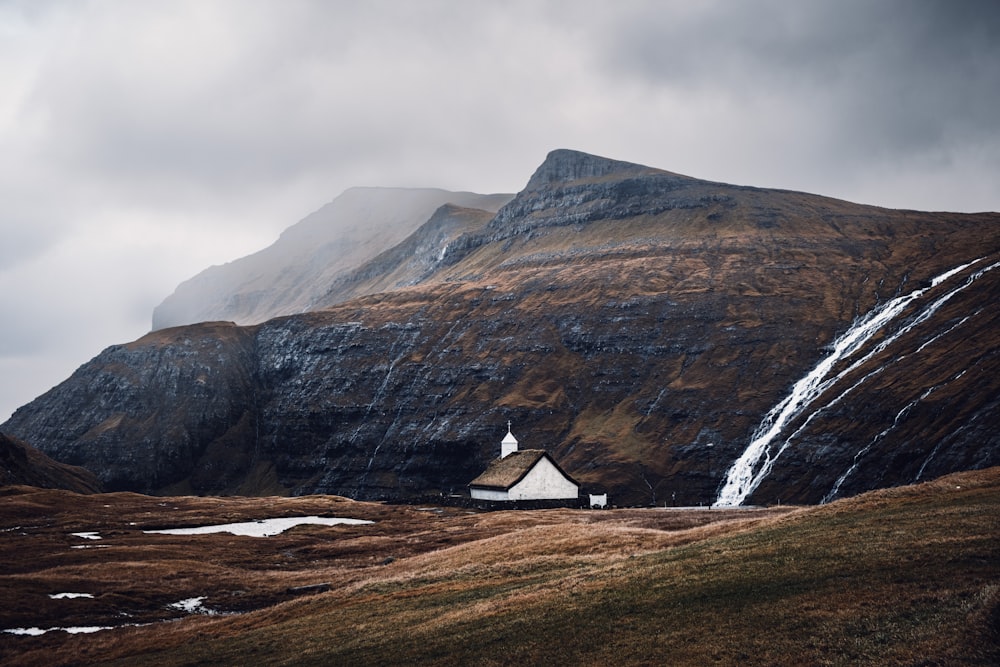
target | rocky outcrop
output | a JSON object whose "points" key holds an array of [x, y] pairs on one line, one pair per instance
{"points": [[636, 324], [576, 188], [23, 465]]}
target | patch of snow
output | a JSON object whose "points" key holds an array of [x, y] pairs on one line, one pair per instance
{"points": [[193, 606], [261, 528], [69, 596], [35, 632], [86, 629], [29, 632], [91, 535], [90, 546]]}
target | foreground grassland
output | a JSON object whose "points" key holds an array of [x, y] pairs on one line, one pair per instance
{"points": [[906, 576]]}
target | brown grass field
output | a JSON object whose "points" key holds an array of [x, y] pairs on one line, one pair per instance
{"points": [[905, 576]]}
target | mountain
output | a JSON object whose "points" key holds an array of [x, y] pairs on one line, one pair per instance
{"points": [[665, 338], [21, 464], [295, 272]]}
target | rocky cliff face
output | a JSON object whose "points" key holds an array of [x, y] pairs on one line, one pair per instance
{"points": [[174, 396], [637, 324]]}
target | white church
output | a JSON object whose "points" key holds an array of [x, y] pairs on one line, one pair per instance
{"points": [[523, 474]]}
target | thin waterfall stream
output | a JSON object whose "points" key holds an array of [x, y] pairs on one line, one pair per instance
{"points": [[757, 460]]}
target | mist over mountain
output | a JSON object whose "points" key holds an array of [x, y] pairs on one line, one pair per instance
{"points": [[668, 339], [295, 272]]}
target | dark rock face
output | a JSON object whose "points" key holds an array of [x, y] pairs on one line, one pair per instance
{"points": [[573, 187], [563, 166], [637, 324], [175, 397]]}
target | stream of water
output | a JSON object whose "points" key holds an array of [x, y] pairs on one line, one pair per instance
{"points": [[747, 472]]}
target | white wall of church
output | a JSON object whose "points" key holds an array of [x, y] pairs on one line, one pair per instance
{"points": [[543, 482], [488, 494]]}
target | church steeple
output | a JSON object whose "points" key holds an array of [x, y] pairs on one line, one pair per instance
{"points": [[509, 443]]}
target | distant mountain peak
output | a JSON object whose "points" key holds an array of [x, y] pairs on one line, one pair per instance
{"points": [[296, 272], [563, 165]]}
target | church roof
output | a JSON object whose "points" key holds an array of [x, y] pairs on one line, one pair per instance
{"points": [[506, 472]]}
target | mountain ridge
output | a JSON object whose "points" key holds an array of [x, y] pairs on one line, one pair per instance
{"points": [[635, 323]]}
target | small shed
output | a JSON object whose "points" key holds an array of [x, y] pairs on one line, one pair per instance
{"points": [[598, 500]]}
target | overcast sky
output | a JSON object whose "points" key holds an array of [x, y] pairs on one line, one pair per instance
{"points": [[142, 140]]}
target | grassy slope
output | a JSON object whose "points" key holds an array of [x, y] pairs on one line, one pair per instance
{"points": [[20, 463], [902, 576]]}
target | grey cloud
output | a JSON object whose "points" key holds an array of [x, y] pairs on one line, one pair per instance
{"points": [[295, 88], [898, 77], [22, 241]]}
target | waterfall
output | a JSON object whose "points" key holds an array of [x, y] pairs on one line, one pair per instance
{"points": [[747, 472]]}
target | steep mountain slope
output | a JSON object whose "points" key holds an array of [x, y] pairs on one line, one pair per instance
{"points": [[636, 323], [290, 275], [22, 464]]}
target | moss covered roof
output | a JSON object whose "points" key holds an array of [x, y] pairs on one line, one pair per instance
{"points": [[511, 469]]}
